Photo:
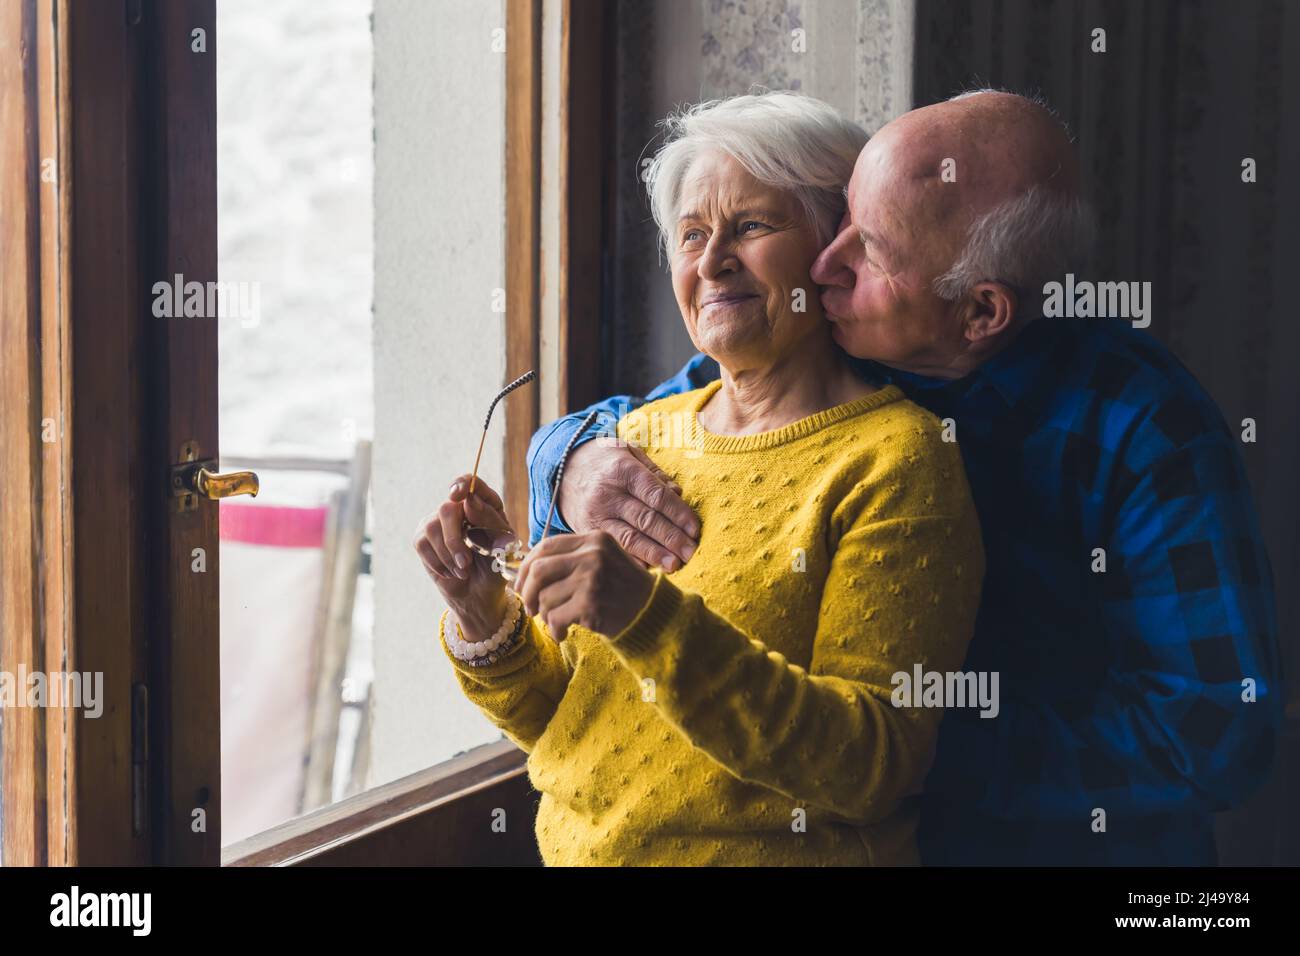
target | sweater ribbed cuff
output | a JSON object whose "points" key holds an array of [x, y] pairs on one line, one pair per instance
{"points": [[645, 634]]}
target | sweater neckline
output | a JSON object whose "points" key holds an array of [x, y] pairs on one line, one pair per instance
{"points": [[700, 437]]}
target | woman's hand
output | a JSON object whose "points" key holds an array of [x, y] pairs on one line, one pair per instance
{"points": [[473, 590], [583, 579]]}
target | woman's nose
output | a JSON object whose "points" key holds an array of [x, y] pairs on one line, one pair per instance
{"points": [[718, 258]]}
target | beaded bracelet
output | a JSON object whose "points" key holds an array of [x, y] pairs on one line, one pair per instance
{"points": [[509, 644], [506, 639]]}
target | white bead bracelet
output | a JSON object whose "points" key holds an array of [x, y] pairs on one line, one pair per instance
{"points": [[479, 653]]}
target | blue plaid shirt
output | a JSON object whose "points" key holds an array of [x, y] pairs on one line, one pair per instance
{"points": [[1122, 724]]}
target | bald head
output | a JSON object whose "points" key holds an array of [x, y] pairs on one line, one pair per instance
{"points": [[1001, 145], [960, 211], [936, 173]]}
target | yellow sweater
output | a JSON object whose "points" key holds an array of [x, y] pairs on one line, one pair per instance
{"points": [[745, 717]]}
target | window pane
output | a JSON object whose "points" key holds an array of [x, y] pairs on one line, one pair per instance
{"points": [[342, 219]]}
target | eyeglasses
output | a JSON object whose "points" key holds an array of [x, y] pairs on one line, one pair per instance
{"points": [[505, 549]]}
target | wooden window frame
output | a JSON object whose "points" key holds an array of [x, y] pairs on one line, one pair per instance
{"points": [[410, 822], [91, 565], [523, 234], [584, 143], [35, 555]]}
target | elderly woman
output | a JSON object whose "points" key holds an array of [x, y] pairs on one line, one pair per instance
{"points": [[739, 709]]}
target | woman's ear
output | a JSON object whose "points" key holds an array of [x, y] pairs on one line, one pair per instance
{"points": [[991, 311]]}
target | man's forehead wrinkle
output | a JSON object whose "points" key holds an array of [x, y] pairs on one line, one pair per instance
{"points": [[918, 150], [921, 194], [899, 183]]}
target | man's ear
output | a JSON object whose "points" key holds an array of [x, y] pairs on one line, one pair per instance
{"points": [[991, 309]]}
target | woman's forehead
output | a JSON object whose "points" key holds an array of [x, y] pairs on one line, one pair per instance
{"points": [[717, 181]]}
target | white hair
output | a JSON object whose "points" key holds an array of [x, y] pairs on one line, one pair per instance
{"points": [[1021, 243], [1036, 98], [793, 142]]}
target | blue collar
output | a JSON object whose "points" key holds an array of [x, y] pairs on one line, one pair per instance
{"points": [[1011, 373]]}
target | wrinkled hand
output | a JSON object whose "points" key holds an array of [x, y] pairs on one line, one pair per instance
{"points": [[475, 593], [586, 579], [615, 488]]}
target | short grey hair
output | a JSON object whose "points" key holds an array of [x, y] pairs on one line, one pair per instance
{"points": [[1033, 97], [1022, 243], [793, 142]]}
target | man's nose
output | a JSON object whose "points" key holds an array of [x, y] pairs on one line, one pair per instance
{"points": [[829, 267]]}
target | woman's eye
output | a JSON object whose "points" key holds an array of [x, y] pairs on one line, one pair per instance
{"points": [[745, 226], [691, 235]]}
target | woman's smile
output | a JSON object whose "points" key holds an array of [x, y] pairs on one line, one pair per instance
{"points": [[726, 300]]}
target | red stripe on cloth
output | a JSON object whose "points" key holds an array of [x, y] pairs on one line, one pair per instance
{"points": [[276, 526]]}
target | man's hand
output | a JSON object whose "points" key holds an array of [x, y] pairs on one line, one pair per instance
{"points": [[615, 488]]}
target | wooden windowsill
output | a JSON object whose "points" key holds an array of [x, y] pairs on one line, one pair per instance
{"points": [[365, 813]]}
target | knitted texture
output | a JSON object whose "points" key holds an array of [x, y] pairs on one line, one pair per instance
{"points": [[744, 717]]}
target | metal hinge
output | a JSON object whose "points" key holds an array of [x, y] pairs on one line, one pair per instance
{"points": [[139, 758]]}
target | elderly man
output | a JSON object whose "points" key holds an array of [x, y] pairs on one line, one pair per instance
{"points": [[1127, 606]]}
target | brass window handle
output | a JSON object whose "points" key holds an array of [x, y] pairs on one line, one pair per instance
{"points": [[194, 478], [212, 485]]}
